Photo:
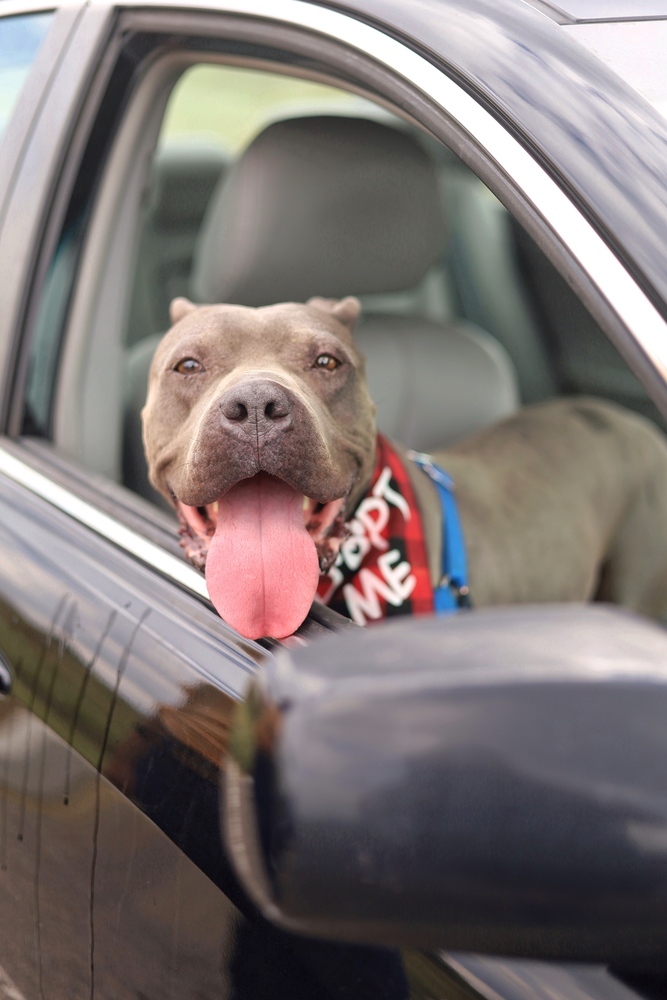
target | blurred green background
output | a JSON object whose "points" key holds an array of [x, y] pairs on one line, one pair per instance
{"points": [[230, 105]]}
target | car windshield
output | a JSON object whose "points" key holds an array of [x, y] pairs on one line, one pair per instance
{"points": [[20, 39], [635, 50]]}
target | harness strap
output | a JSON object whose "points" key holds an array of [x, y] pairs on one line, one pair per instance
{"points": [[452, 592]]}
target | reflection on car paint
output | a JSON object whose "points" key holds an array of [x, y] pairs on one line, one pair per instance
{"points": [[146, 728]]}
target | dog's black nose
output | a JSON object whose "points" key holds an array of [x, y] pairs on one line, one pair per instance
{"points": [[260, 404]]}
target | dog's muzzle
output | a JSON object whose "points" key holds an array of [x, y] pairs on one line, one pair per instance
{"points": [[258, 409]]}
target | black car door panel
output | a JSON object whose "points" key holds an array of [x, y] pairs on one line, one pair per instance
{"points": [[103, 657], [110, 752], [113, 907]]}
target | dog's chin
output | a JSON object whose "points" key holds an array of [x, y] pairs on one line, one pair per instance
{"points": [[263, 546]]}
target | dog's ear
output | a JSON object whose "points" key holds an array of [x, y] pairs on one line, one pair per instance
{"points": [[179, 308], [346, 311]]}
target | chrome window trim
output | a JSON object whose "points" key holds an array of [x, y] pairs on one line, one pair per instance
{"points": [[568, 224], [619, 289], [103, 524]]}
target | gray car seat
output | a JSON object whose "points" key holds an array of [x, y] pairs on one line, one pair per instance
{"points": [[335, 206]]}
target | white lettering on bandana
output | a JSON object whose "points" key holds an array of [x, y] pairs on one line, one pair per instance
{"points": [[395, 581]]}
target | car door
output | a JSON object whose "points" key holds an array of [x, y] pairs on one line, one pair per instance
{"points": [[92, 892], [122, 676]]}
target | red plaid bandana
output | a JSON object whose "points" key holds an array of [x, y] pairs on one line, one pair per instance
{"points": [[381, 569]]}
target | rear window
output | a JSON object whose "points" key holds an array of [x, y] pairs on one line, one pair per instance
{"points": [[20, 39]]}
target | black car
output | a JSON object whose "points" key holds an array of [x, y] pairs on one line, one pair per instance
{"points": [[123, 128]]}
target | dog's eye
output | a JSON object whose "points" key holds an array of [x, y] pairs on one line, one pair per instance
{"points": [[328, 362], [188, 366]]}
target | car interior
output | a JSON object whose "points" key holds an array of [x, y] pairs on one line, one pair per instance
{"points": [[240, 184]]}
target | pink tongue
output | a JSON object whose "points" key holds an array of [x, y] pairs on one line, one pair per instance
{"points": [[262, 568]]}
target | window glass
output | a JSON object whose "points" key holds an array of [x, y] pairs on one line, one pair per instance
{"points": [[20, 39], [485, 276], [229, 105]]}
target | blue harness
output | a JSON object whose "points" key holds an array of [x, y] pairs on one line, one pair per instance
{"points": [[452, 593]]}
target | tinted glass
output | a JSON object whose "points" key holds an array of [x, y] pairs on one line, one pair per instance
{"points": [[20, 39]]}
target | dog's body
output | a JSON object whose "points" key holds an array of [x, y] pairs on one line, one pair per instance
{"points": [[260, 418], [566, 501]]}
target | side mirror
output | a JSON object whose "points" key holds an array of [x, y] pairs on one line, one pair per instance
{"points": [[492, 782]]}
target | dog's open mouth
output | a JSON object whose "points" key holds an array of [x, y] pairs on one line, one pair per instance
{"points": [[263, 546]]}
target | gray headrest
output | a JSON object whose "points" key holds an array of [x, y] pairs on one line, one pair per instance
{"points": [[326, 206]]}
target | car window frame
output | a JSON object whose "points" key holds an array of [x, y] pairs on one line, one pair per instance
{"points": [[37, 73], [37, 138], [360, 57]]}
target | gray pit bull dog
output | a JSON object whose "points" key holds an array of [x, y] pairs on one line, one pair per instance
{"points": [[259, 428]]}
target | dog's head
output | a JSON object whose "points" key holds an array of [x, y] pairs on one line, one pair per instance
{"points": [[258, 426]]}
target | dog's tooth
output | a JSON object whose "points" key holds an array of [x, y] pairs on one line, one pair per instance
{"points": [[214, 507], [306, 503]]}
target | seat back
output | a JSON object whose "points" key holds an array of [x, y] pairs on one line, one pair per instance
{"points": [[434, 384]]}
